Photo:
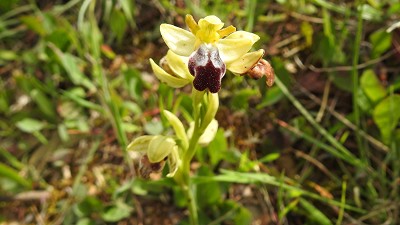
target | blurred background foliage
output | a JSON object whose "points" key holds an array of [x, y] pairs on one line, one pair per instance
{"points": [[319, 147]]}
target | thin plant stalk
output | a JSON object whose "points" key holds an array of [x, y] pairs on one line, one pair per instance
{"points": [[251, 8], [183, 175], [188, 186], [355, 80], [343, 203], [201, 121]]}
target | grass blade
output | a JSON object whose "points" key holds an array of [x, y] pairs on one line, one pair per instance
{"points": [[12, 174], [339, 148], [253, 178]]}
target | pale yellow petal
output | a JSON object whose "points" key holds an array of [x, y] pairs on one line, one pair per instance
{"points": [[226, 31], [177, 39], [191, 23], [232, 49], [178, 66], [246, 62], [175, 82], [244, 35]]}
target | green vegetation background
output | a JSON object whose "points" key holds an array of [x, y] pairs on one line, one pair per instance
{"points": [[319, 147]]}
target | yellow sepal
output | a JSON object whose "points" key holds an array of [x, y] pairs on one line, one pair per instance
{"points": [[175, 82], [246, 62], [232, 49], [177, 65], [177, 39]]}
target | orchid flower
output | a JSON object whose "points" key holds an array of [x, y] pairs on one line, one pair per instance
{"points": [[199, 56], [205, 53], [155, 150]]}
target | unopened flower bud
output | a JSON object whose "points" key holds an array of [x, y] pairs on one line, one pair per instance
{"points": [[154, 151], [262, 68], [208, 134], [159, 148], [212, 108], [178, 127]]}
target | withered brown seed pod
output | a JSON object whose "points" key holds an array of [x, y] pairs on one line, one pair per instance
{"points": [[262, 68]]}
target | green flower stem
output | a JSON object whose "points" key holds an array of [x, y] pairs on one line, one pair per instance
{"points": [[189, 188], [183, 174], [197, 132], [193, 216], [182, 177], [355, 79]]}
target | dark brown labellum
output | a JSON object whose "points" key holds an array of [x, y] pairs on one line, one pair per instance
{"points": [[146, 167], [207, 67]]}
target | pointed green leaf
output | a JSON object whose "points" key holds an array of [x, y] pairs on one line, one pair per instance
{"points": [[314, 214], [30, 125], [381, 42], [12, 174], [371, 86], [386, 116], [116, 212]]}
